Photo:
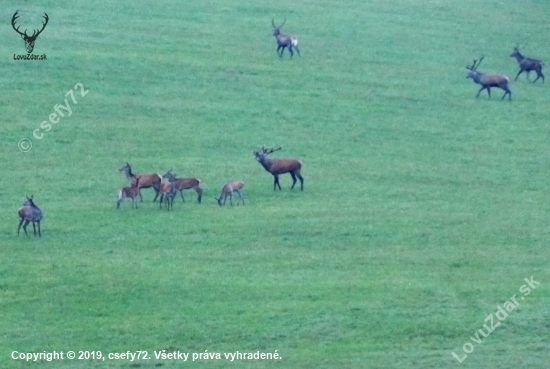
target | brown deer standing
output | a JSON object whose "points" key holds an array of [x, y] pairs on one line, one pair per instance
{"points": [[29, 212], [168, 191], [228, 189], [284, 40], [489, 80], [147, 180], [527, 65], [279, 166], [130, 192], [29, 40], [187, 183]]}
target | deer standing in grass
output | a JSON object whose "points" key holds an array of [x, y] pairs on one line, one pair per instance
{"points": [[489, 80], [187, 183], [147, 180], [29, 212], [228, 189], [527, 65], [279, 166], [130, 192], [168, 190], [284, 40]]}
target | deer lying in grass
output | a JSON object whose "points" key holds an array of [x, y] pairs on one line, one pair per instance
{"points": [[489, 80], [187, 183], [129, 192], [146, 181], [279, 166], [228, 189], [168, 190], [29, 212], [527, 65], [284, 41]]}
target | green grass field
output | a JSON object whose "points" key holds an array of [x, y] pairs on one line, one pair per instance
{"points": [[424, 208]]}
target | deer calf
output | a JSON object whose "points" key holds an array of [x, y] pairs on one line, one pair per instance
{"points": [[168, 190], [284, 41], [130, 192], [489, 80], [228, 189], [29, 212], [279, 166], [527, 65]]}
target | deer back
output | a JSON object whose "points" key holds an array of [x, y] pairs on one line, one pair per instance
{"points": [[279, 166], [147, 180]]}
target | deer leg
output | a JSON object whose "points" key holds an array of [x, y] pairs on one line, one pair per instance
{"points": [[160, 200], [481, 89], [181, 193], [140, 198], [118, 203], [25, 226], [241, 197], [157, 193], [19, 227], [280, 53], [134, 202], [301, 180], [199, 193], [33, 229], [293, 180], [290, 50], [38, 225], [518, 75], [297, 50]]}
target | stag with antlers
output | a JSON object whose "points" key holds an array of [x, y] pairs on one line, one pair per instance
{"points": [[284, 41], [29, 40], [279, 166], [488, 80], [527, 65]]}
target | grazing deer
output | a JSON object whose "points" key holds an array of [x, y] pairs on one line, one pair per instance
{"points": [[147, 180], [527, 65], [168, 190], [228, 189], [29, 212], [130, 192], [284, 40], [279, 166], [489, 80], [29, 40], [187, 183]]}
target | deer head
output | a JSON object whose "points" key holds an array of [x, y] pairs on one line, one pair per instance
{"points": [[263, 151], [473, 68], [29, 40], [276, 30]]}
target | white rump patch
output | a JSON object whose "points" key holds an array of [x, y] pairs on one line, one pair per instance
{"points": [[294, 41]]}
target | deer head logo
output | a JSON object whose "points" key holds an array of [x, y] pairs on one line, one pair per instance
{"points": [[29, 40]]}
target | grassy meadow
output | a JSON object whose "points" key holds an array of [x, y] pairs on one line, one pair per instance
{"points": [[423, 207]]}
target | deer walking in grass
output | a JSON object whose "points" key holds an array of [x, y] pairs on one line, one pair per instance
{"points": [[489, 80], [528, 65], [228, 189], [147, 180], [279, 166], [129, 192], [188, 183], [29, 212], [284, 40], [168, 190]]}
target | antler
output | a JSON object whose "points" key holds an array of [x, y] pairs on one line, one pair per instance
{"points": [[35, 34], [273, 23], [282, 23], [272, 150], [13, 19]]}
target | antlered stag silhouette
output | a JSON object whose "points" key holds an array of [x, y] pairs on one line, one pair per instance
{"points": [[488, 80], [29, 40], [284, 40]]}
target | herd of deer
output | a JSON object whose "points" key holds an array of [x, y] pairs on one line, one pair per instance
{"points": [[497, 80], [168, 190]]}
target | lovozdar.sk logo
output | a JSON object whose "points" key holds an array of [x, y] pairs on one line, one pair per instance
{"points": [[29, 40]]}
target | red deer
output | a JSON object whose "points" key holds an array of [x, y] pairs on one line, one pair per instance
{"points": [[187, 183], [29, 40], [146, 181], [489, 80], [279, 166], [130, 192], [228, 189], [168, 190], [284, 40], [527, 65], [29, 212]]}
